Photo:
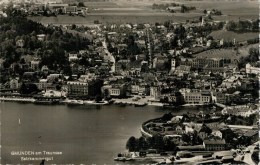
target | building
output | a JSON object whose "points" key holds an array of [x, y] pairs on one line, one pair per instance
{"points": [[238, 111], [45, 69], [57, 7], [71, 9], [73, 57], [14, 84], [182, 70], [214, 145], [43, 84], [217, 133], [35, 65], [77, 89], [114, 91], [252, 70], [53, 77], [41, 37], [197, 98], [174, 9], [155, 92]]}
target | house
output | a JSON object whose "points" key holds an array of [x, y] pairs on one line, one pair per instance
{"points": [[174, 9], [71, 9], [87, 77], [53, 77], [182, 70], [176, 119], [45, 69], [238, 111], [73, 57], [135, 89], [155, 92], [41, 37], [57, 7], [115, 90], [29, 76], [216, 125], [1, 63], [214, 145], [14, 84], [220, 97], [35, 65], [217, 133], [204, 132], [42, 85], [252, 134], [191, 127], [252, 70]]}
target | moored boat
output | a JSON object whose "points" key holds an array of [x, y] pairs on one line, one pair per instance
{"points": [[95, 103], [140, 105], [74, 102]]}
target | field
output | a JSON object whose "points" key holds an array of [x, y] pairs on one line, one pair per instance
{"points": [[227, 53], [229, 35], [141, 12], [109, 17]]}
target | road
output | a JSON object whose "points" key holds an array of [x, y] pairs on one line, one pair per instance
{"points": [[111, 57], [247, 157]]}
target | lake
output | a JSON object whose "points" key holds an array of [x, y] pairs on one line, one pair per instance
{"points": [[79, 135]]}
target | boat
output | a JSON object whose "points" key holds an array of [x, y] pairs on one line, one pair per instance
{"points": [[44, 102], [74, 102], [41, 100], [95, 103], [120, 159], [140, 105], [123, 159]]}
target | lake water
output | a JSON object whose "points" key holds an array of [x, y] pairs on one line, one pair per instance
{"points": [[79, 135]]}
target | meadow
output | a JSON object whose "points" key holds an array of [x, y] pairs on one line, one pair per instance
{"points": [[141, 12], [227, 53], [229, 35]]}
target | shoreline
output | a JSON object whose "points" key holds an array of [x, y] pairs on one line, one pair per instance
{"points": [[75, 102]]}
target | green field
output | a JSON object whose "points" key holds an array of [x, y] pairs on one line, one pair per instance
{"points": [[109, 17], [141, 12], [229, 35], [227, 53]]}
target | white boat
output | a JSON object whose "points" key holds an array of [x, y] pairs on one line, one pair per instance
{"points": [[89, 102], [74, 102], [120, 159], [123, 159]]}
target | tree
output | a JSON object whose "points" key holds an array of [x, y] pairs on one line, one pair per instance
{"points": [[167, 117], [131, 144], [158, 142], [185, 138], [98, 98], [143, 145], [28, 89], [81, 4], [169, 145]]}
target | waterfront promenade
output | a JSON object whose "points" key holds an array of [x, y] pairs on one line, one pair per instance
{"points": [[15, 99]]}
